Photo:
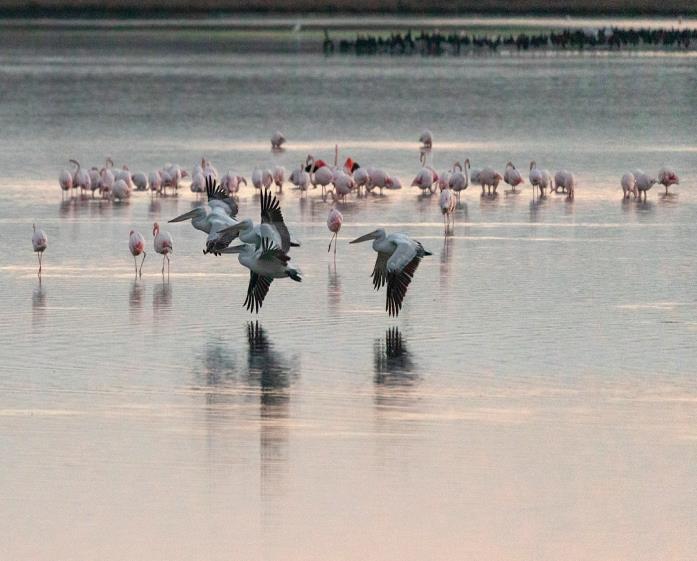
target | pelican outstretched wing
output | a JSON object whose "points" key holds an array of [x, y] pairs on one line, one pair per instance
{"points": [[270, 252], [380, 271], [256, 291], [271, 214], [401, 266], [216, 193]]}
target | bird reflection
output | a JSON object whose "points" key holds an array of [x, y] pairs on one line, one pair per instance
{"points": [[162, 297], [393, 363], [38, 303], [333, 288], [135, 297]]}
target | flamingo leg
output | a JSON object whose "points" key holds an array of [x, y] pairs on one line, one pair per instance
{"points": [[38, 255], [135, 265], [163, 265], [167, 256], [140, 271], [336, 235]]}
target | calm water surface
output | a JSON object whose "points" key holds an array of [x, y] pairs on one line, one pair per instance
{"points": [[535, 400]]}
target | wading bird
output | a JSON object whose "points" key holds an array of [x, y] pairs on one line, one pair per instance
{"points": [[643, 182], [426, 139], [512, 177], [667, 177], [539, 178], [164, 245], [65, 180], [397, 261], [447, 203], [459, 179], [277, 140], [266, 263], [39, 241], [334, 221], [566, 181], [628, 186], [136, 243]]}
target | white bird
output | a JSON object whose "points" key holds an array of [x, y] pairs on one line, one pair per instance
{"points": [[231, 182], [106, 182], [322, 176], [155, 181], [426, 176], [398, 258], [140, 181], [539, 178], [566, 181], [300, 178], [120, 190], [361, 178], [266, 263], [378, 178], [512, 177], [426, 139], [164, 245], [459, 179], [65, 180], [271, 227], [214, 218], [343, 183], [279, 177], [667, 177], [267, 178], [81, 177], [198, 182], [94, 179], [39, 241], [489, 179], [136, 244], [393, 183], [643, 182], [277, 140], [257, 178], [125, 175], [628, 186], [447, 203], [334, 221]]}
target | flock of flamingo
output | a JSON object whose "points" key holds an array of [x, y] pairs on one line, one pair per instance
{"points": [[265, 246]]}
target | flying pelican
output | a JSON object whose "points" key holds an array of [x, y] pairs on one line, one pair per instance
{"points": [[164, 245], [459, 180], [426, 139], [213, 219], [136, 243], [271, 227], [398, 259], [334, 221], [39, 241], [667, 177], [265, 263], [277, 140], [628, 186], [512, 177]]}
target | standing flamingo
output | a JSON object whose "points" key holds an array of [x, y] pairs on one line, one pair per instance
{"points": [[426, 139], [279, 177], [459, 180], [164, 245], [277, 140], [539, 178], [447, 204], [643, 182], [65, 180], [628, 185], [426, 176], [39, 241], [300, 178], [667, 177], [136, 243], [512, 177], [334, 221]]}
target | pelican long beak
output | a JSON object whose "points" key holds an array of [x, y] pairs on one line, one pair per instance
{"points": [[365, 238], [186, 216], [234, 249]]}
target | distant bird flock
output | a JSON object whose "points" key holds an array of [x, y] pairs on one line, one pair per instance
{"points": [[460, 42], [264, 247]]}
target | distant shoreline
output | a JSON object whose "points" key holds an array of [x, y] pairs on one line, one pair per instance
{"points": [[154, 9]]}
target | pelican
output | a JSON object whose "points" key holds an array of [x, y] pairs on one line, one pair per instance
{"points": [[214, 218], [164, 245], [39, 240], [459, 180], [334, 221], [628, 185], [426, 139], [512, 177], [272, 226], [667, 177], [265, 263], [277, 140], [136, 243], [398, 258]]}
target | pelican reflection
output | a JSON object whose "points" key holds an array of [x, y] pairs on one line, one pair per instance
{"points": [[393, 363]]}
